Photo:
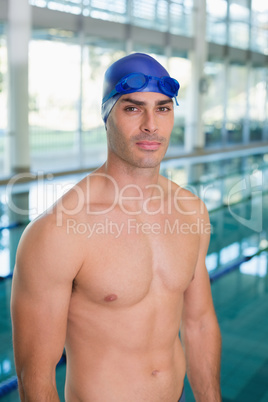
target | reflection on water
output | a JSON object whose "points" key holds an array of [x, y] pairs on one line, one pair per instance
{"points": [[257, 266]]}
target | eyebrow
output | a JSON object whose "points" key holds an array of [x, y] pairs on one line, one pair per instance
{"points": [[141, 103]]}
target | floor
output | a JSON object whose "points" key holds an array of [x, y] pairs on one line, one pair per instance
{"points": [[236, 194]]}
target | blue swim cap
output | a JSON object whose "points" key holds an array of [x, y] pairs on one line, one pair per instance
{"points": [[133, 64]]}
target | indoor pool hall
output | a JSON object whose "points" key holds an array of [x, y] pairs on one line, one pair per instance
{"points": [[134, 200]]}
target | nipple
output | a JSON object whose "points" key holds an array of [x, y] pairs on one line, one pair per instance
{"points": [[110, 298]]}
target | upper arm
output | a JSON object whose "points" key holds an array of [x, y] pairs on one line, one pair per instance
{"points": [[41, 291], [197, 297]]}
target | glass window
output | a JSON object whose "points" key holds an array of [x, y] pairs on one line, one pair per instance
{"points": [[239, 10], [3, 97], [257, 102], [239, 14], [239, 35], [217, 8], [38, 3], [259, 40], [68, 6], [54, 90], [113, 10], [236, 102], [167, 15], [98, 55], [213, 114], [216, 31], [65, 99], [216, 21], [181, 17], [259, 6], [179, 67], [259, 31], [150, 13]]}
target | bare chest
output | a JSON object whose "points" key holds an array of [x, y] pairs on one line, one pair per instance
{"points": [[126, 259]]}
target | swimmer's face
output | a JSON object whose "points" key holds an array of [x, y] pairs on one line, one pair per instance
{"points": [[139, 128]]}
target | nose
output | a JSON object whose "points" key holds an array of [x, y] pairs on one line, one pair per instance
{"points": [[149, 123]]}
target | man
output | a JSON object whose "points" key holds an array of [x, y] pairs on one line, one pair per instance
{"points": [[116, 268]]}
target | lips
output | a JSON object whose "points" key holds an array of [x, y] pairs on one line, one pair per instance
{"points": [[149, 145]]}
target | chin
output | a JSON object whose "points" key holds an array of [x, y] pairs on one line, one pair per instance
{"points": [[149, 163]]}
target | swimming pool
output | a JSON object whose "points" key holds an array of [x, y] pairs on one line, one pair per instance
{"points": [[236, 194]]}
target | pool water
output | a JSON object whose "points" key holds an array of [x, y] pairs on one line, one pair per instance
{"points": [[236, 194]]}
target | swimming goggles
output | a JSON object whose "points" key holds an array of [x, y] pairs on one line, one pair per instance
{"points": [[137, 81]]}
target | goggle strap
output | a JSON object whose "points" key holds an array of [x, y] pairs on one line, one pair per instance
{"points": [[110, 95]]}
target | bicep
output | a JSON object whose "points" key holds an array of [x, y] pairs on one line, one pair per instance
{"points": [[41, 292], [197, 297], [39, 317]]}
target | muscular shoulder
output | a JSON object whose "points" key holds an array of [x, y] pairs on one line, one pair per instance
{"points": [[97, 192], [184, 201], [46, 246], [43, 230], [191, 203]]}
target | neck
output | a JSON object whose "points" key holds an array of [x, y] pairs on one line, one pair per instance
{"points": [[133, 177]]}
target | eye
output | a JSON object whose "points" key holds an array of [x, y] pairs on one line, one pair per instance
{"points": [[164, 109], [131, 109]]}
